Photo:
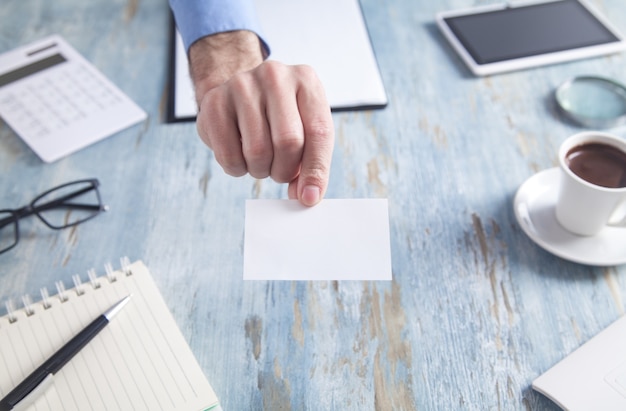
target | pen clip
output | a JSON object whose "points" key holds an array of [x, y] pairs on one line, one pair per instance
{"points": [[34, 394]]}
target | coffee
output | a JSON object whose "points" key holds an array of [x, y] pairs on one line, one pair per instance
{"points": [[599, 164]]}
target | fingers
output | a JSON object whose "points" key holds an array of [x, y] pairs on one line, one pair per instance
{"points": [[286, 128], [217, 126], [254, 132], [232, 122], [272, 121]]}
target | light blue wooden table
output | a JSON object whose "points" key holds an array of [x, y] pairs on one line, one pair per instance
{"points": [[475, 310]]}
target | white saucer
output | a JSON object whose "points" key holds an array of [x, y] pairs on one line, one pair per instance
{"points": [[534, 210]]}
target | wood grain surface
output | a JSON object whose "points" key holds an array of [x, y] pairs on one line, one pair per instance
{"points": [[475, 310]]}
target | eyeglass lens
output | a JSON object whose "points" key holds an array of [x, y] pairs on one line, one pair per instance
{"points": [[8, 230], [68, 205]]}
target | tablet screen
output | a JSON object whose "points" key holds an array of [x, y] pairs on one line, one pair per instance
{"points": [[525, 31]]}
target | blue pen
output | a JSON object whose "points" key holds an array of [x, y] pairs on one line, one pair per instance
{"points": [[38, 381]]}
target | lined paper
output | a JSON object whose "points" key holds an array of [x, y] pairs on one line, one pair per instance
{"points": [[140, 361]]}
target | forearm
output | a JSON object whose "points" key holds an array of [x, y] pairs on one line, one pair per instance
{"points": [[216, 58]]}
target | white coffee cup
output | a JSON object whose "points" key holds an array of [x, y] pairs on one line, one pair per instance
{"points": [[584, 207]]}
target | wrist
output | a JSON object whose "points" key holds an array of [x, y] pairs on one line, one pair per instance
{"points": [[216, 58]]}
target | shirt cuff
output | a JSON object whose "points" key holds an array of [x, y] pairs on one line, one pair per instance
{"points": [[197, 19]]}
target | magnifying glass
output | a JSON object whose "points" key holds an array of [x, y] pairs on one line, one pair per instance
{"points": [[592, 101]]}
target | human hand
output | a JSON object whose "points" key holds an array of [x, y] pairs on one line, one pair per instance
{"points": [[270, 121]]}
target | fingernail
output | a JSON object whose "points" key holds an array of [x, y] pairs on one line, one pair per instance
{"points": [[310, 195]]}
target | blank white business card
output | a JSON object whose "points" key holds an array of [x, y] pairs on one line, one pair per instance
{"points": [[334, 240]]}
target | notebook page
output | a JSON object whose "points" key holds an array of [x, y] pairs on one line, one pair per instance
{"points": [[139, 361]]}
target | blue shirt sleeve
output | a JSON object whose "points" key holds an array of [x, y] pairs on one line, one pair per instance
{"points": [[199, 18]]}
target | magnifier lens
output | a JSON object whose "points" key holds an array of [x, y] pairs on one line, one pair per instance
{"points": [[593, 101]]}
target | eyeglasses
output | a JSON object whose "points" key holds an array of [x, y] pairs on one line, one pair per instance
{"points": [[61, 207]]}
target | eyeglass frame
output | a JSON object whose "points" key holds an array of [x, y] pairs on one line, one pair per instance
{"points": [[30, 209]]}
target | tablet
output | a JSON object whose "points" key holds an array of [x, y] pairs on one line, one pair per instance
{"points": [[506, 37]]}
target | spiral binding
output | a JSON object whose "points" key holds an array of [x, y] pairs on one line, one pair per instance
{"points": [[62, 294]]}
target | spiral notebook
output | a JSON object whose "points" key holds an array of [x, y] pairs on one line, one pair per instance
{"points": [[140, 361]]}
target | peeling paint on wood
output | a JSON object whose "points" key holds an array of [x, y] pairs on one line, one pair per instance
{"points": [[475, 310]]}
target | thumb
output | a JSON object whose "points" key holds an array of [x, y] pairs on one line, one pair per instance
{"points": [[312, 182], [308, 194], [319, 140]]}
